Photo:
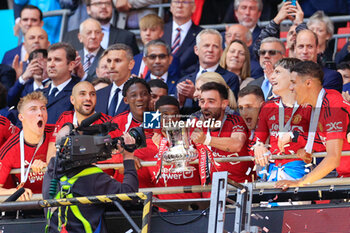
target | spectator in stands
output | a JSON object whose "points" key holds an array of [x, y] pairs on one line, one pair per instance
{"points": [[228, 139], [287, 11], [83, 99], [306, 83], [236, 59], [102, 12], [306, 50], [240, 32], [30, 16], [60, 63], [34, 77], [52, 24], [217, 78], [129, 12], [101, 83], [34, 139], [281, 134], [158, 89], [271, 51], [79, 12], [250, 101], [248, 13], [344, 69], [120, 63], [209, 50], [180, 34], [4, 109], [7, 76], [102, 68], [90, 35], [322, 25], [35, 38], [343, 54], [157, 57]]}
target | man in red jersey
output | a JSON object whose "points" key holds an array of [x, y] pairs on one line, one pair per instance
{"points": [[281, 118], [227, 140], [6, 129], [328, 121], [83, 99], [28, 148]]}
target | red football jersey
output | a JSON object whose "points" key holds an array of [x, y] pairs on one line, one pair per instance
{"points": [[10, 158], [6, 129], [268, 126]]}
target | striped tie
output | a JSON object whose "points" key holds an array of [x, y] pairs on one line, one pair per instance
{"points": [[176, 45], [87, 63]]}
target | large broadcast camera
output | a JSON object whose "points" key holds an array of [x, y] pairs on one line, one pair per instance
{"points": [[87, 144]]}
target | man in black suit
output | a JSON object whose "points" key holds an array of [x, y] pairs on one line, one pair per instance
{"points": [[157, 57], [90, 34], [120, 63], [209, 50], [271, 51], [101, 10], [180, 34], [60, 64], [306, 47], [248, 13]]}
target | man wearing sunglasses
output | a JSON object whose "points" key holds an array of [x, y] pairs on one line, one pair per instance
{"points": [[157, 57], [270, 52]]}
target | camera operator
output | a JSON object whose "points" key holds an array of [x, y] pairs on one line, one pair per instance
{"points": [[89, 184], [83, 99]]}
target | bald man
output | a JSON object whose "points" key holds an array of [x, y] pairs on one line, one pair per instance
{"points": [[90, 35], [83, 99], [35, 38]]}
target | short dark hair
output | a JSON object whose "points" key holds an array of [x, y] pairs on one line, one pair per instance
{"points": [[251, 89], [42, 51], [158, 83], [217, 87], [88, 2], [101, 80], [157, 42], [31, 7], [3, 96], [315, 35], [70, 51], [119, 46], [309, 68], [287, 63], [344, 66], [133, 81], [167, 100]]}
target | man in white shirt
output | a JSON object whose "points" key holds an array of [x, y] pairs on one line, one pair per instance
{"points": [[180, 34]]}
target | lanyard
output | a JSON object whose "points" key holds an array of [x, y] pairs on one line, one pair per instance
{"points": [[315, 115], [285, 128], [24, 175], [128, 123]]}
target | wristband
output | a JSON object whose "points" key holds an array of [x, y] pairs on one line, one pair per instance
{"points": [[207, 140]]}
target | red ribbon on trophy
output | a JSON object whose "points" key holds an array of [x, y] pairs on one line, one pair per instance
{"points": [[204, 156]]}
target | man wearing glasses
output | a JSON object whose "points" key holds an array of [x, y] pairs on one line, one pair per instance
{"points": [[102, 10], [270, 52], [157, 57], [180, 34]]}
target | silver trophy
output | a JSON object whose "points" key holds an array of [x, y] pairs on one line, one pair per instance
{"points": [[181, 150]]}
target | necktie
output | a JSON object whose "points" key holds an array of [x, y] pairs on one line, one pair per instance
{"points": [[112, 107], [266, 88], [87, 62], [53, 94], [176, 45], [204, 71], [145, 71]]}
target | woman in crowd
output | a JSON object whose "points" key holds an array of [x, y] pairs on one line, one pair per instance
{"points": [[236, 58]]}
